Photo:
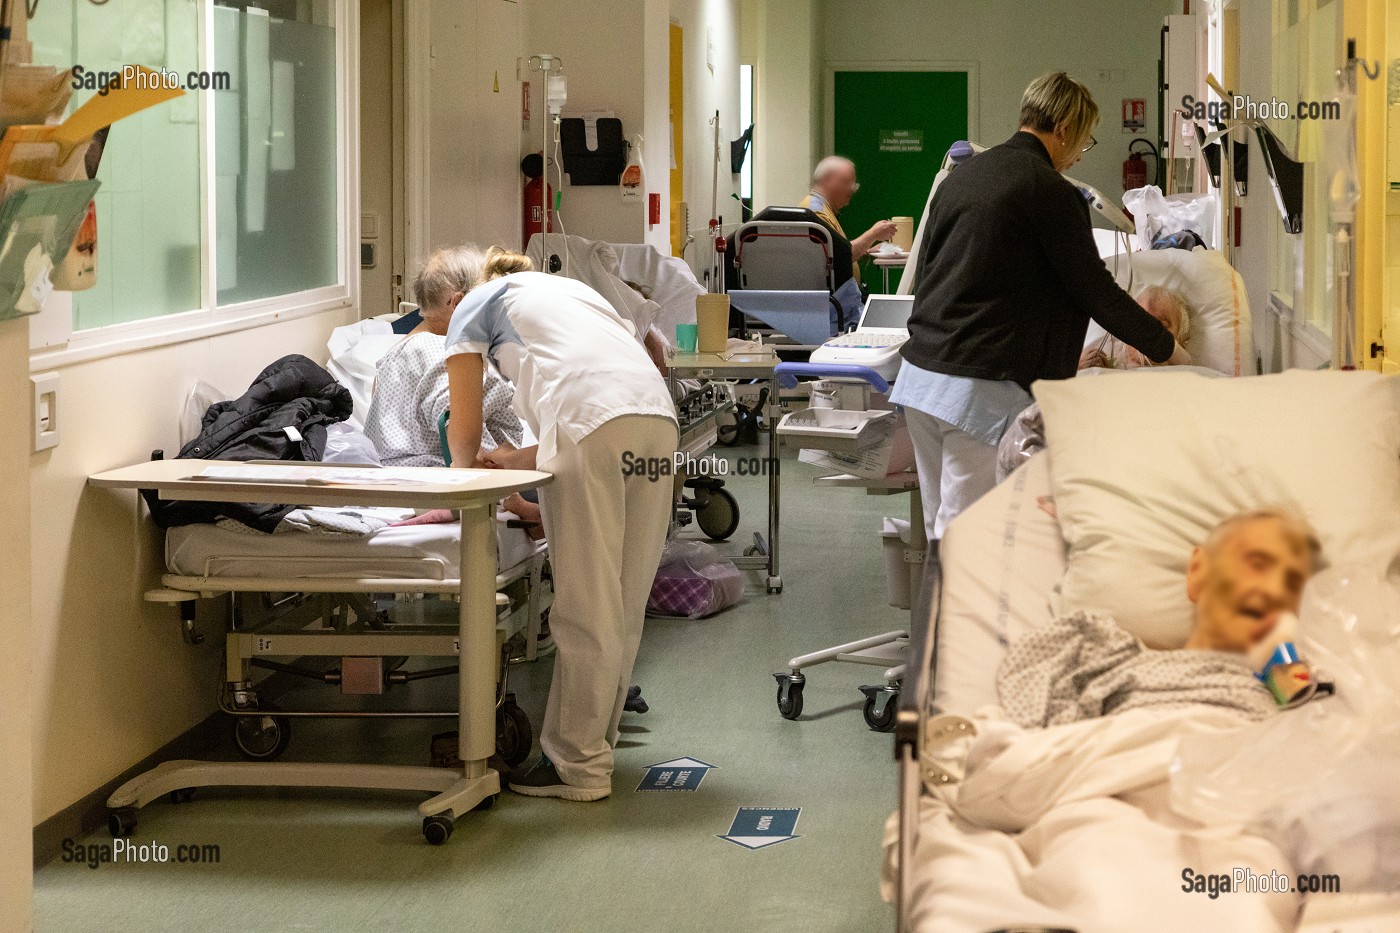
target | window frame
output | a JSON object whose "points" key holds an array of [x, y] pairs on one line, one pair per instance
{"points": [[55, 343]]}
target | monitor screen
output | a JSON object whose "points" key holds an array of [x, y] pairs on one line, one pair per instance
{"points": [[890, 311]]}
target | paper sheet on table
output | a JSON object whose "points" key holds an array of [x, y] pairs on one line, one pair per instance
{"points": [[313, 475]]}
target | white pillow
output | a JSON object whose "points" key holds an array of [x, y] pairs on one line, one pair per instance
{"points": [[1221, 337], [1143, 468]]}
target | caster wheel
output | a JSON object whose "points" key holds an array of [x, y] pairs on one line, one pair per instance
{"points": [[775, 585], [884, 721], [437, 829], [121, 822], [514, 735], [750, 551], [486, 804], [789, 696], [719, 518], [182, 795], [262, 738]]}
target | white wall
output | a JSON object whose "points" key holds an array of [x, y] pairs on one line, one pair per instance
{"points": [[1110, 45], [603, 48], [473, 115], [112, 680], [708, 90], [786, 37], [16, 744]]}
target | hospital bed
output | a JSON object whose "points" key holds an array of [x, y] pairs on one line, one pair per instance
{"points": [[998, 574], [475, 639]]}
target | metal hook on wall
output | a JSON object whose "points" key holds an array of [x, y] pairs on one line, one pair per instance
{"points": [[1369, 69]]}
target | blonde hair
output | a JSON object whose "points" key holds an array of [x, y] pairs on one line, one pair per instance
{"points": [[501, 261], [1054, 100]]}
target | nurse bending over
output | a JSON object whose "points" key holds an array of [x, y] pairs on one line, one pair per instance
{"points": [[591, 395]]}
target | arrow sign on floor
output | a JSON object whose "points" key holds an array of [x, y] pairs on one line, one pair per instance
{"points": [[676, 774], [758, 827]]}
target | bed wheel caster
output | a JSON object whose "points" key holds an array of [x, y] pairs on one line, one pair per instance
{"points": [[438, 829], [182, 795], [881, 705], [262, 738], [485, 805], [121, 822], [775, 585], [790, 694], [514, 735]]}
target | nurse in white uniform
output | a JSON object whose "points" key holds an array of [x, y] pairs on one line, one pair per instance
{"points": [[598, 405]]}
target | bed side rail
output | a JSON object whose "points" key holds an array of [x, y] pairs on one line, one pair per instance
{"points": [[915, 696]]}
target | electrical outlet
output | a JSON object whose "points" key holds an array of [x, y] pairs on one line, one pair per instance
{"points": [[46, 422]]}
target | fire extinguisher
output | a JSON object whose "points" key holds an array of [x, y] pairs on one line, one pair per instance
{"points": [[532, 219], [1135, 167]]}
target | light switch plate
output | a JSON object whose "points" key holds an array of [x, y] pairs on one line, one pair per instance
{"points": [[46, 421]]}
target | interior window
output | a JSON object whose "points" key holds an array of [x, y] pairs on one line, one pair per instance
{"points": [[149, 234]]}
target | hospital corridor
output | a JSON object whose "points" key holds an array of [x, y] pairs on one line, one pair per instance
{"points": [[769, 466]]}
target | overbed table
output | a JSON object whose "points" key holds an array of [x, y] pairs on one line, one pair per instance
{"points": [[422, 488]]}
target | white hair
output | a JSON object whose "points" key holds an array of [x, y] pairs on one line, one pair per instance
{"points": [[1173, 299], [828, 165], [446, 272]]}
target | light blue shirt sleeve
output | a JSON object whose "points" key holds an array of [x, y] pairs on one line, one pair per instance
{"points": [[479, 324], [983, 408]]}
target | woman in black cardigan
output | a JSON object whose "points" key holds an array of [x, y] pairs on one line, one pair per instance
{"points": [[1008, 279]]}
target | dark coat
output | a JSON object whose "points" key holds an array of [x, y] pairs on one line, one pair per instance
{"points": [[282, 416]]}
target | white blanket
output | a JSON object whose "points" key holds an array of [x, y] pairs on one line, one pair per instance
{"points": [[1071, 826]]}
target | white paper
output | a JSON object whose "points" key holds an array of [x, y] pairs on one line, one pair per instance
{"points": [[311, 475]]}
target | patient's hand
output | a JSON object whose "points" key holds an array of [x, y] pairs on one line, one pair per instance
{"points": [[526, 511], [506, 458]]}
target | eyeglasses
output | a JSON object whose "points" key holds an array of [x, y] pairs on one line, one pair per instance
{"points": [[1092, 143]]}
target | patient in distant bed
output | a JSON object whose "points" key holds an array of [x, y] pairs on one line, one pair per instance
{"points": [[410, 386], [1247, 573], [1166, 306]]}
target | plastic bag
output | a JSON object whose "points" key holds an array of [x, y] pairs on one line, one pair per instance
{"points": [[1023, 439], [694, 580], [1322, 780], [346, 444], [196, 404], [1158, 215]]}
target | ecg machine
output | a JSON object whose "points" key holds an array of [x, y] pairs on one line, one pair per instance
{"points": [[875, 343]]}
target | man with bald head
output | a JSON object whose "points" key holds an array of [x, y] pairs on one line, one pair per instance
{"points": [[833, 185]]}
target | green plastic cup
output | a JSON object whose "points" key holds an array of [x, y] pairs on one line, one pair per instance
{"points": [[686, 337]]}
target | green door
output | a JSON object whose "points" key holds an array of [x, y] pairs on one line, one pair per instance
{"points": [[896, 126]]}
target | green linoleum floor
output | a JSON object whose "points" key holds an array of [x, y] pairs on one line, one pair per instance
{"points": [[313, 860]]}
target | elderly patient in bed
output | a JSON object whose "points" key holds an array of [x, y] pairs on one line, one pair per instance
{"points": [[1165, 305], [1241, 579], [410, 386]]}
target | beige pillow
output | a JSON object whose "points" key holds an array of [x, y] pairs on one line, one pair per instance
{"points": [[1143, 467]]}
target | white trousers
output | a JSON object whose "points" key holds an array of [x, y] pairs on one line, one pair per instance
{"points": [[606, 532], [955, 469]]}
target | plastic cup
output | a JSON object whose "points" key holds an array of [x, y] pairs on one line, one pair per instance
{"points": [[687, 337]]}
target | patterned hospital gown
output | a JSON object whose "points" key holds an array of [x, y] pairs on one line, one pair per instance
{"points": [[410, 395], [1084, 665]]}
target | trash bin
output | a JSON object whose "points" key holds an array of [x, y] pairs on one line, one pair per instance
{"points": [[899, 577]]}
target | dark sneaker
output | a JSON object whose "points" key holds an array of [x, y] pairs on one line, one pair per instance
{"points": [[541, 780], [634, 702]]}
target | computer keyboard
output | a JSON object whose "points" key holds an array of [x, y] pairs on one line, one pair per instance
{"points": [[860, 341]]}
